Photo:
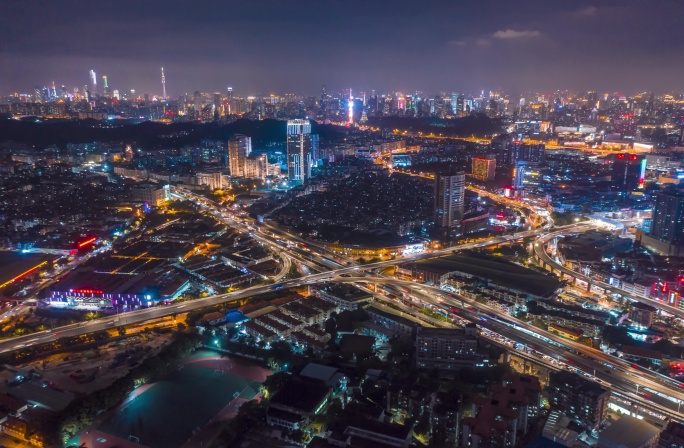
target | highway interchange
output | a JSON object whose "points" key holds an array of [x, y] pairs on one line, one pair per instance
{"points": [[651, 390]]}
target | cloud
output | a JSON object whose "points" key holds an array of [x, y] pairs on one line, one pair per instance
{"points": [[587, 12], [482, 42], [514, 34]]}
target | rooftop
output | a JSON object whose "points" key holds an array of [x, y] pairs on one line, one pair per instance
{"points": [[301, 393], [627, 432]]}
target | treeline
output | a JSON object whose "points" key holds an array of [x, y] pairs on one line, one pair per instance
{"points": [[146, 135], [476, 124]]}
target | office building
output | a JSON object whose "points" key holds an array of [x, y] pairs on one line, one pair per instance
{"points": [[300, 144], [628, 171], [642, 314], [212, 180], [93, 82], [667, 225], [449, 202], [582, 400], [239, 148], [484, 168], [668, 217], [153, 194], [518, 177], [509, 151], [445, 348], [197, 101], [256, 167], [629, 432]]}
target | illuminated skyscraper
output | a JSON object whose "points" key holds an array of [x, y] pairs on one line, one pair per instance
{"points": [[449, 202], [239, 148], [484, 168], [197, 101], [93, 82], [628, 171], [518, 177], [668, 217], [350, 106], [299, 146], [163, 85]]}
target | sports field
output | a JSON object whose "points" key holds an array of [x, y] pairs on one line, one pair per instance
{"points": [[165, 414]]}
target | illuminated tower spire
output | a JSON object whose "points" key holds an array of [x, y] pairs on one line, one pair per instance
{"points": [[163, 84], [351, 107]]}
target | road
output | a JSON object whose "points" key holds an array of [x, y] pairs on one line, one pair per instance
{"points": [[621, 377], [638, 384], [540, 251], [137, 316]]}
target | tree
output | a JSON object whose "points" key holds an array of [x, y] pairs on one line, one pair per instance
{"points": [[273, 383], [422, 427]]}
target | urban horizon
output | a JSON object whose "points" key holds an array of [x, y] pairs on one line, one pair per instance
{"points": [[355, 224]]}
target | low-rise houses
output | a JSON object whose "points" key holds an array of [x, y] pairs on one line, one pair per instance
{"points": [[346, 297], [391, 322], [293, 317]]}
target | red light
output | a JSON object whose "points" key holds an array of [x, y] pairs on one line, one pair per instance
{"points": [[23, 274], [632, 157], [87, 242], [88, 291], [634, 366], [620, 156]]}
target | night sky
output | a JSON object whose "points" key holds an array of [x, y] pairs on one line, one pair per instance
{"points": [[281, 46]]}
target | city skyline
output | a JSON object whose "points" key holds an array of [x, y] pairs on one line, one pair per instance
{"points": [[606, 46]]}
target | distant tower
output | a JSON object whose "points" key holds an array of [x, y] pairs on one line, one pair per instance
{"points": [[93, 82], [351, 108], [163, 85], [229, 111]]}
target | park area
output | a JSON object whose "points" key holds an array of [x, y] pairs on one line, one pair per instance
{"points": [[206, 387]]}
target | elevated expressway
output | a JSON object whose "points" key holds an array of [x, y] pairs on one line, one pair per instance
{"points": [[650, 390], [610, 371], [142, 315], [548, 263]]}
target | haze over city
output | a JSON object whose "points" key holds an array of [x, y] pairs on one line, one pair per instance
{"points": [[294, 47], [359, 224]]}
